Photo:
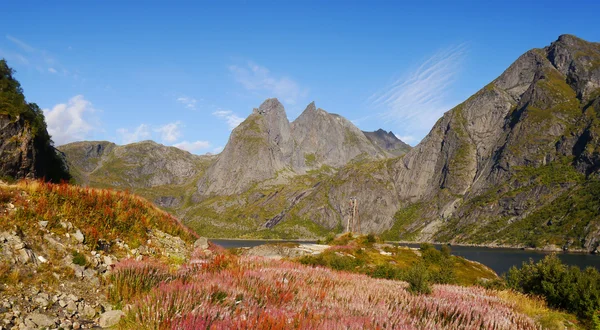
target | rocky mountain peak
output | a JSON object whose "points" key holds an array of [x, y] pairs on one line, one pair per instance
{"points": [[269, 107], [388, 142]]}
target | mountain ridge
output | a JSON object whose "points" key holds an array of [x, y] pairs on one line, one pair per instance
{"points": [[521, 144]]}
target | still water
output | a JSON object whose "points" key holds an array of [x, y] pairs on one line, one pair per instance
{"points": [[498, 259]]}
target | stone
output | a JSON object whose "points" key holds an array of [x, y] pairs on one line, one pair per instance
{"points": [[110, 318], [42, 302], [43, 224], [42, 259], [88, 311], [78, 235], [40, 320], [72, 306], [108, 261], [201, 243]]}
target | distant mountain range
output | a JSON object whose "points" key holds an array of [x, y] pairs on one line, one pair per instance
{"points": [[516, 164]]}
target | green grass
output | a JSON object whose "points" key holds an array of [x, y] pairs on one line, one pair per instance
{"points": [[404, 223], [359, 255]]}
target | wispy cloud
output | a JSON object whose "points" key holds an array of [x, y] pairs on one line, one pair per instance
{"points": [[188, 102], [24, 46], [71, 121], [192, 147], [28, 55], [258, 78], [231, 118], [170, 132], [142, 132], [415, 101]]}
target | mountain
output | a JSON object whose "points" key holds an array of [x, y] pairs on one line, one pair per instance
{"points": [[267, 146], [515, 164], [165, 175], [328, 139], [26, 150], [388, 142]]}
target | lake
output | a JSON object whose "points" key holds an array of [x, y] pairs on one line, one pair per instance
{"points": [[498, 259]]}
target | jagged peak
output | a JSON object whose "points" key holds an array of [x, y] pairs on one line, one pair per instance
{"points": [[310, 107], [269, 106]]}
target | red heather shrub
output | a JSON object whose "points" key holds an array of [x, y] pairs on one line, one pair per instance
{"points": [[131, 278], [256, 293]]}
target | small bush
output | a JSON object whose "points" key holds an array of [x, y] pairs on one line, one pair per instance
{"points": [[418, 279], [387, 271], [446, 251], [79, 259], [371, 238]]}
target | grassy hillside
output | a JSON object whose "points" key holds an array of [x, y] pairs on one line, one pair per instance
{"points": [[99, 213]]}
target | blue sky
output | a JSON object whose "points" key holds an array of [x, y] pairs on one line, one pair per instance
{"points": [[184, 73]]}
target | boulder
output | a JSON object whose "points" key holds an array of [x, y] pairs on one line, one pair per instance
{"points": [[201, 243], [110, 318]]}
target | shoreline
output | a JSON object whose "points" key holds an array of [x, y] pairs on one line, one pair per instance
{"points": [[512, 247]]}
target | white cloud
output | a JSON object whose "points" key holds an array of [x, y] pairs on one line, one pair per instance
{"points": [[409, 139], [142, 132], [231, 118], [259, 79], [192, 146], [170, 132], [418, 99], [188, 102], [71, 121], [217, 149], [52, 70]]}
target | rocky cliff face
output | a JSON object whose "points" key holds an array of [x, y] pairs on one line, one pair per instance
{"points": [[266, 146], [539, 114], [388, 142], [258, 148], [328, 139], [26, 150], [16, 149]]}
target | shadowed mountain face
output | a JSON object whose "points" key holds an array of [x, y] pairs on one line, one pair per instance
{"points": [[388, 142], [516, 164]]}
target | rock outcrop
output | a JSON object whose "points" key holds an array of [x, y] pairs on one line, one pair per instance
{"points": [[388, 142], [258, 148], [26, 150], [266, 146], [328, 139]]}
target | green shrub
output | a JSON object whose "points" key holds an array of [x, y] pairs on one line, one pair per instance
{"points": [[79, 259], [563, 287], [445, 273], [387, 271], [371, 238], [418, 279], [446, 251]]}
